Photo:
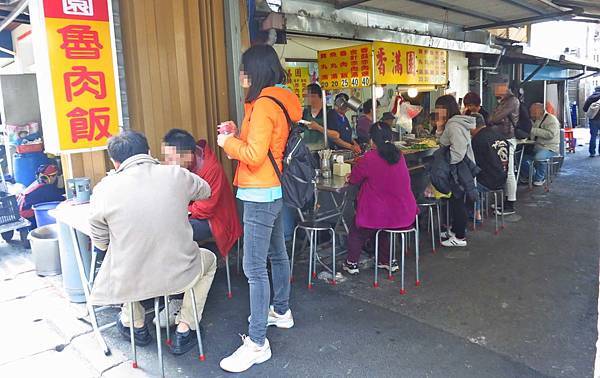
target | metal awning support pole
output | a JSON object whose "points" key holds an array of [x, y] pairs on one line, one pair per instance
{"points": [[14, 14], [324, 96], [538, 69], [373, 89], [545, 93]]}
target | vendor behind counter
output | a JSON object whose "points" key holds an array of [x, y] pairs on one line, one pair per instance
{"points": [[313, 113]]}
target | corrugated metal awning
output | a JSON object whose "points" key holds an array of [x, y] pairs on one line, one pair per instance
{"points": [[477, 14]]}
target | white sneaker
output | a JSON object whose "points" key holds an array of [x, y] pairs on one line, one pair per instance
{"points": [[539, 183], [174, 309], [280, 321], [454, 242], [246, 356], [447, 234]]}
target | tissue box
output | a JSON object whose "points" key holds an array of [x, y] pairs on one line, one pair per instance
{"points": [[341, 169]]}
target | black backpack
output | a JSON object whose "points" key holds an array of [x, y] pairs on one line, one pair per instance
{"points": [[298, 177], [523, 127]]}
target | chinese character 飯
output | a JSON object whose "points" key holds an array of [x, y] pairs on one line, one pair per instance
{"points": [[84, 124]]}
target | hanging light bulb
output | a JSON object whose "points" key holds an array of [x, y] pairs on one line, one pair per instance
{"points": [[379, 92], [413, 92]]}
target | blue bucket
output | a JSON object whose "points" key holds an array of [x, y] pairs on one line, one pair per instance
{"points": [[42, 217]]}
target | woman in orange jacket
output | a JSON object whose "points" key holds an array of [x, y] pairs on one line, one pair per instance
{"points": [[264, 128]]}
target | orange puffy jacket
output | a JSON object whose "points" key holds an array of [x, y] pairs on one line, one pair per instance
{"points": [[264, 128]]}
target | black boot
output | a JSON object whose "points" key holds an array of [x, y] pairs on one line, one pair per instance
{"points": [[141, 335], [184, 342]]}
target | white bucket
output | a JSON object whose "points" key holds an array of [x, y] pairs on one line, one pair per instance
{"points": [[44, 249]]}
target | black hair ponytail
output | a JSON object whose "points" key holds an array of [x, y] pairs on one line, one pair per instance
{"points": [[381, 135]]}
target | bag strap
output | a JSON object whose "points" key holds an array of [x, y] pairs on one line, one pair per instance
{"points": [[289, 121]]}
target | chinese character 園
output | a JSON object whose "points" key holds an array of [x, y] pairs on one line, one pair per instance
{"points": [[78, 7]]}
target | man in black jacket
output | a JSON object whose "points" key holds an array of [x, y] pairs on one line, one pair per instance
{"points": [[594, 122], [491, 152]]}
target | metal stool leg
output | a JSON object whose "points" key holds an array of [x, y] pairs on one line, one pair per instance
{"points": [[161, 365], [134, 364], [333, 281], [198, 335], [431, 217], [237, 263], [229, 293], [496, 211], [418, 280], [293, 253], [93, 266], [475, 215], [169, 342], [548, 176], [531, 172], [392, 247], [437, 208], [376, 279], [502, 203], [310, 260], [402, 291]]}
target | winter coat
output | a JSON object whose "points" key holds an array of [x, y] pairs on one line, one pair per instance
{"points": [[590, 100], [457, 135], [457, 179], [385, 199], [220, 209], [37, 193], [139, 215], [491, 155], [506, 116], [264, 128], [546, 133]]}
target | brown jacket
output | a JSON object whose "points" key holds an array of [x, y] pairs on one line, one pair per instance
{"points": [[140, 214], [507, 110]]}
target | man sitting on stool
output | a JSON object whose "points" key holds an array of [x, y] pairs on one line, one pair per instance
{"points": [[217, 216], [546, 133], [139, 216], [43, 189]]}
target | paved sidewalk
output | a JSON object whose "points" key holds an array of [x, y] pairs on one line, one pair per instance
{"points": [[521, 304]]}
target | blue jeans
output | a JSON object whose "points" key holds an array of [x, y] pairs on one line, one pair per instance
{"points": [[594, 128], [289, 221], [201, 229], [540, 168], [263, 231]]}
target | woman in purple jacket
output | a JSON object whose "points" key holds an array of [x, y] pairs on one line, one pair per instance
{"points": [[385, 199]]}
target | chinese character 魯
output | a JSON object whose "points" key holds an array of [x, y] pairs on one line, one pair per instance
{"points": [[80, 42]]}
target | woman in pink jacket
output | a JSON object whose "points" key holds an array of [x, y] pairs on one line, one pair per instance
{"points": [[385, 199]]}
